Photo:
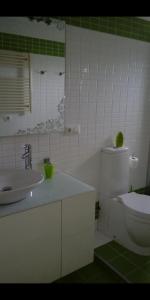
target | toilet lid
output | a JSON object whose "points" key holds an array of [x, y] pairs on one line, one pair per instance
{"points": [[137, 202]]}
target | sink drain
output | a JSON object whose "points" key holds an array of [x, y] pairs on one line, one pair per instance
{"points": [[6, 188]]}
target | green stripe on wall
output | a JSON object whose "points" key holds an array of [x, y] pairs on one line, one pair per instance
{"points": [[130, 27], [31, 45]]}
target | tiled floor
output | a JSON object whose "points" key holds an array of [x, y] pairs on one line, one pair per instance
{"points": [[112, 264], [133, 268], [94, 273]]}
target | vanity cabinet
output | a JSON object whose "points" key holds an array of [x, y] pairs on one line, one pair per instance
{"points": [[50, 239], [77, 232], [30, 245]]}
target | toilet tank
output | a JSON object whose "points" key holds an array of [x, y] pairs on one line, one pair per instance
{"points": [[114, 172]]}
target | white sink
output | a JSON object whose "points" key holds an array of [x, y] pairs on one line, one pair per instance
{"points": [[15, 184]]}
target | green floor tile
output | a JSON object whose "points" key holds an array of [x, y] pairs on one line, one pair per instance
{"points": [[146, 267], [120, 249], [113, 263], [91, 270], [122, 265], [136, 259], [108, 275], [98, 272], [106, 252], [130, 266], [70, 279], [139, 276], [94, 273]]}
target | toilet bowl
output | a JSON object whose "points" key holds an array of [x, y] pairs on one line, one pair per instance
{"points": [[124, 216], [137, 217]]}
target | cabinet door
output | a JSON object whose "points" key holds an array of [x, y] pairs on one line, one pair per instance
{"points": [[30, 246], [78, 214]]}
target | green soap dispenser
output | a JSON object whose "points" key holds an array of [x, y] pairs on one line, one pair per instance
{"points": [[119, 140], [48, 168]]}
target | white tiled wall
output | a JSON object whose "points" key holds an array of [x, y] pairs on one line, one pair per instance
{"points": [[107, 90], [110, 76]]}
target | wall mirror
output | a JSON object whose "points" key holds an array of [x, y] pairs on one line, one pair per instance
{"points": [[32, 75]]}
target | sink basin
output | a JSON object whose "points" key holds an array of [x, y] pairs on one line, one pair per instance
{"points": [[15, 184]]}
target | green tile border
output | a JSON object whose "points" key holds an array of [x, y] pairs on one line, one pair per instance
{"points": [[130, 27], [31, 45]]}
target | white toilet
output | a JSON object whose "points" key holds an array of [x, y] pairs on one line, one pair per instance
{"points": [[124, 216]]}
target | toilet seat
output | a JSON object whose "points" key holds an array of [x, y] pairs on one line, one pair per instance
{"points": [[137, 203]]}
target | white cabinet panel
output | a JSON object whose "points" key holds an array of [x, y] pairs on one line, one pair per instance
{"points": [[43, 244], [30, 245], [78, 214], [77, 251]]}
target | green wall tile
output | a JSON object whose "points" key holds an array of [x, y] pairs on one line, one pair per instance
{"points": [[130, 27], [32, 45]]}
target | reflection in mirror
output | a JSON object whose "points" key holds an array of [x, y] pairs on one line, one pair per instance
{"points": [[40, 109]]}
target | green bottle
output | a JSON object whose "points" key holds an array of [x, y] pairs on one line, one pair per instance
{"points": [[48, 168]]}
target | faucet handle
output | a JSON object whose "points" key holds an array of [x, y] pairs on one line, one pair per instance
{"points": [[27, 146]]}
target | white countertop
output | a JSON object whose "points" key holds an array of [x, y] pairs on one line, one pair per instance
{"points": [[61, 186]]}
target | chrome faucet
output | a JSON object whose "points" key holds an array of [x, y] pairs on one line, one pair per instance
{"points": [[27, 156]]}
